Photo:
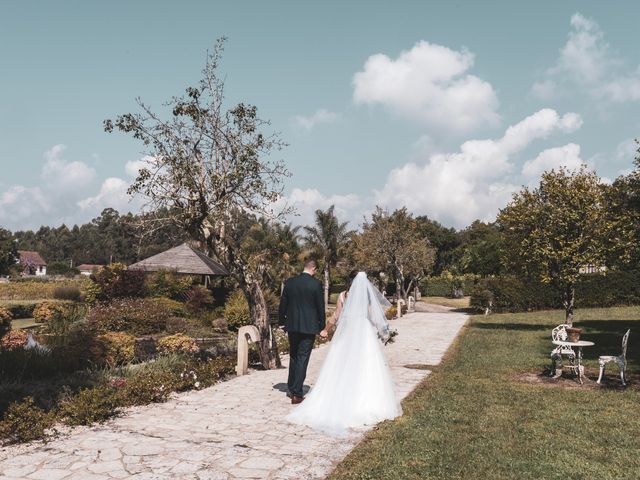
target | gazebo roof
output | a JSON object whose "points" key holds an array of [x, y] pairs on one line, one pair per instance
{"points": [[181, 259]]}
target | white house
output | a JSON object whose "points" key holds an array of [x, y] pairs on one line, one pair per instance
{"points": [[32, 263], [88, 268]]}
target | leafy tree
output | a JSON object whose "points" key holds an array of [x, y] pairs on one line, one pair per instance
{"points": [[325, 239], [554, 230], [205, 164], [8, 251], [393, 243], [445, 240], [479, 250], [623, 213]]}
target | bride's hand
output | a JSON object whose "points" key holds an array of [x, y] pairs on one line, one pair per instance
{"points": [[324, 333]]}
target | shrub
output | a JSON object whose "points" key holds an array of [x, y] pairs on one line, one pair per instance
{"points": [[114, 348], [90, 292], [14, 340], [21, 309], [115, 281], [5, 320], [139, 316], [236, 308], [178, 343], [198, 298], [176, 308], [514, 294], [391, 313], [47, 311], [68, 292], [24, 422], [89, 406], [167, 283], [219, 324], [61, 268], [445, 284], [147, 386]]}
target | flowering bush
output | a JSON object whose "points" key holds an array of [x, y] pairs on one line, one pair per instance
{"points": [[90, 292], [14, 340], [138, 316], [114, 348], [47, 311], [147, 386], [178, 343], [5, 320]]}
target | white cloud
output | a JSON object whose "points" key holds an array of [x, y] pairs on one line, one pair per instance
{"points": [[567, 156], [588, 62], [318, 117], [457, 188], [428, 83], [349, 207], [113, 194], [62, 193], [132, 167]]}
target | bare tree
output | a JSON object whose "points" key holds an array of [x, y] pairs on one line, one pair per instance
{"points": [[206, 167]]}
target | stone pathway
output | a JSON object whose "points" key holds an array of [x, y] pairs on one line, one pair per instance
{"points": [[233, 430]]}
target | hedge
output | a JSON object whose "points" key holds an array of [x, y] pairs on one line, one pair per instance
{"points": [[513, 294], [441, 287]]}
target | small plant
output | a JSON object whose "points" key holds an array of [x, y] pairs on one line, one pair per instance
{"points": [[219, 324], [5, 320], [236, 311], [114, 348], [391, 313], [198, 298], [178, 343], [14, 340], [24, 422], [68, 292], [90, 292], [89, 406]]}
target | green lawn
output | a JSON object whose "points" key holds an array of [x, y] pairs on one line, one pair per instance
{"points": [[463, 302], [473, 418]]}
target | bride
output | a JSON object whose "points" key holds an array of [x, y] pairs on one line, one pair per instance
{"points": [[354, 387]]}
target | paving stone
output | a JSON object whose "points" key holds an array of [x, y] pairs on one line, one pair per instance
{"points": [[235, 429]]}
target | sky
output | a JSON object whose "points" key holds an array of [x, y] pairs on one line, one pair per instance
{"points": [[445, 107]]}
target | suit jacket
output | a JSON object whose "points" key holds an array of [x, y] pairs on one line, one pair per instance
{"points": [[302, 305]]}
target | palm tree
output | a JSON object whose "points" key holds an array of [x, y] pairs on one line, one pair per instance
{"points": [[326, 239]]}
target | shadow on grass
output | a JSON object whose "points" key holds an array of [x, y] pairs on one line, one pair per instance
{"points": [[527, 327]]}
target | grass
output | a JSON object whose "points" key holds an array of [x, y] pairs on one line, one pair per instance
{"points": [[473, 418], [463, 302]]}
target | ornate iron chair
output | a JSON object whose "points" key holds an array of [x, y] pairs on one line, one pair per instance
{"points": [[621, 360], [559, 334]]}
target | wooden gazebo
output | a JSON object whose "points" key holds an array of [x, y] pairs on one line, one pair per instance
{"points": [[183, 259]]}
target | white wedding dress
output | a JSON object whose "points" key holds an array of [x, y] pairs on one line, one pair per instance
{"points": [[354, 387]]}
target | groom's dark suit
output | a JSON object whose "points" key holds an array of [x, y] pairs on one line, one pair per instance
{"points": [[302, 315]]}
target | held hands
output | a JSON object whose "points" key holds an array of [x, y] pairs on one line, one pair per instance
{"points": [[324, 333]]}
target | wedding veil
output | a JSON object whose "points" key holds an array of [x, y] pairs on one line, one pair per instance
{"points": [[364, 303]]}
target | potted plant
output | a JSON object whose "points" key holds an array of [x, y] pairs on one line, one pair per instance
{"points": [[573, 334]]}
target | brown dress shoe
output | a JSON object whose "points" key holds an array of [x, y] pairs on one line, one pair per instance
{"points": [[296, 399]]}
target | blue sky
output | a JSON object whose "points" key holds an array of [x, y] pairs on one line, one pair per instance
{"points": [[445, 107]]}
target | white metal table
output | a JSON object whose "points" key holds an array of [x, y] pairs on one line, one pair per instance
{"points": [[577, 367]]}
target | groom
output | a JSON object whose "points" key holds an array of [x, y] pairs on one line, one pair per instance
{"points": [[302, 315]]}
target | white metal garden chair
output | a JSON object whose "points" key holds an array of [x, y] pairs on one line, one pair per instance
{"points": [[559, 334], [621, 360]]}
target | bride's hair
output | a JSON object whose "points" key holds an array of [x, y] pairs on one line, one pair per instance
{"points": [[350, 277]]}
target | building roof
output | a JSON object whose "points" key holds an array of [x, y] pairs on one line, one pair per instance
{"points": [[181, 259], [89, 267], [29, 257]]}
